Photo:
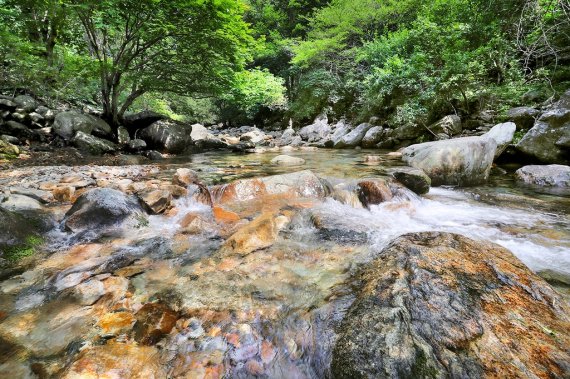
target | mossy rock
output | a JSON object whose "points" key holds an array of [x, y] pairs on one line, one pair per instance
{"points": [[21, 234], [27, 249]]}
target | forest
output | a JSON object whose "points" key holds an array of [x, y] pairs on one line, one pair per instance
{"points": [[264, 62]]}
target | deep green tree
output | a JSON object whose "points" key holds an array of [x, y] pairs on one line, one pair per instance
{"points": [[186, 47]]}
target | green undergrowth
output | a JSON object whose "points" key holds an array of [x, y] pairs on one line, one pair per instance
{"points": [[16, 253]]}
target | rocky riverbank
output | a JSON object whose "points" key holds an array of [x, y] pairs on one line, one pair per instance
{"points": [[29, 127]]}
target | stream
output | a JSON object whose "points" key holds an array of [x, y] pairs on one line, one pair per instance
{"points": [[270, 313]]}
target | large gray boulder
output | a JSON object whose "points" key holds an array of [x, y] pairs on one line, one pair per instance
{"points": [[27, 103], [448, 126], [254, 135], [553, 175], [440, 305], [286, 138], [546, 140], [140, 120], [203, 139], [92, 145], [317, 131], [167, 136], [354, 137], [523, 117], [339, 130], [372, 137], [503, 135], [16, 129], [103, 208], [460, 161], [66, 124], [408, 132]]}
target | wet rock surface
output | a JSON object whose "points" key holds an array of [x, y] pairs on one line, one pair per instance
{"points": [[460, 161], [442, 305], [413, 178], [102, 207], [250, 277], [545, 175]]}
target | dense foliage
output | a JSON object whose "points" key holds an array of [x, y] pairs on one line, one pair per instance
{"points": [[265, 61]]}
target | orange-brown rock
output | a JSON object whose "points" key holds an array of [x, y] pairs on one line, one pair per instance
{"points": [[116, 360], [240, 190], [303, 184], [224, 216], [156, 201], [116, 322], [258, 234], [442, 305], [63, 194], [193, 223], [184, 177], [372, 192], [154, 321]]}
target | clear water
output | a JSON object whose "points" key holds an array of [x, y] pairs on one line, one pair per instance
{"points": [[271, 312]]}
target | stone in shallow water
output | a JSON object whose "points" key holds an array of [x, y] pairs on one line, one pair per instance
{"points": [[442, 305], [413, 178], [102, 207], [154, 321], [156, 201], [296, 184], [258, 234], [47, 330], [554, 175], [287, 160], [372, 192], [184, 177], [116, 360]]}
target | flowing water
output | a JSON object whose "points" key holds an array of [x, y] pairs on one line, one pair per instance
{"points": [[269, 313]]}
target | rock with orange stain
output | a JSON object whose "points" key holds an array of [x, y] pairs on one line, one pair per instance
{"points": [[63, 194], [259, 234], [115, 360], [267, 352], [442, 305], [154, 321], [184, 177], [116, 322], [194, 223], [155, 202], [224, 216], [240, 190], [115, 288], [228, 264], [176, 191], [232, 339], [295, 184], [372, 192]]}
